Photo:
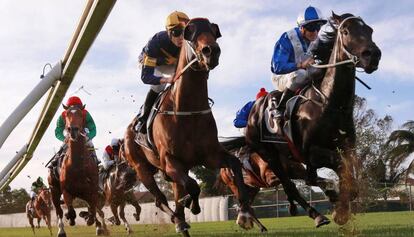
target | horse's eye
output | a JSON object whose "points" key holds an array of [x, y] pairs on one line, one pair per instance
{"points": [[345, 32]]}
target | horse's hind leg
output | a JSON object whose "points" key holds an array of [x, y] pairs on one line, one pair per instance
{"points": [[122, 215], [47, 221], [38, 222], [115, 219], [179, 192], [31, 223], [56, 193]]}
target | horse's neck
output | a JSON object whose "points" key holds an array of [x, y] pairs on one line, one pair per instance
{"points": [[338, 85], [76, 149], [190, 92]]}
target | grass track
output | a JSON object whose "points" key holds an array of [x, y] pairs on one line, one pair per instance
{"points": [[395, 224]]}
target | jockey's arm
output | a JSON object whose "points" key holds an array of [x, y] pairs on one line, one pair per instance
{"points": [[90, 124], [60, 127], [106, 158], [283, 57]]}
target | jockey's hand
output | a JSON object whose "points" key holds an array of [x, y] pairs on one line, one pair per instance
{"points": [[305, 63], [165, 80]]}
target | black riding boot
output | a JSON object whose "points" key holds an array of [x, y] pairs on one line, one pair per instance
{"points": [[145, 111], [280, 108]]}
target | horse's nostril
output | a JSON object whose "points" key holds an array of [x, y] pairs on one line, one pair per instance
{"points": [[206, 51], [366, 54]]}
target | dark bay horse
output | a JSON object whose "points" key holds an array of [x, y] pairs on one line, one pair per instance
{"points": [[118, 191], [184, 130], [322, 125], [259, 175], [42, 206], [78, 173]]}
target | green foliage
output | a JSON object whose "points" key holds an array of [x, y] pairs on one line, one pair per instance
{"points": [[13, 201], [208, 179]]}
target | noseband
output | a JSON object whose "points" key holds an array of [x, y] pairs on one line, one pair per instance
{"points": [[351, 58]]}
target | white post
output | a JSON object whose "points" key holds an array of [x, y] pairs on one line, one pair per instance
{"points": [[5, 173], [27, 104]]}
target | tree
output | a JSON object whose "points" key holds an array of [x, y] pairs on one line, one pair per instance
{"points": [[13, 201], [403, 141], [208, 179]]}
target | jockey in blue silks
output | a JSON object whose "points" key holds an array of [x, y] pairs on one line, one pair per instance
{"points": [[158, 61], [242, 115], [291, 60]]}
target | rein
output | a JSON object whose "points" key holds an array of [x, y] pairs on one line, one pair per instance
{"points": [[351, 58], [196, 59]]}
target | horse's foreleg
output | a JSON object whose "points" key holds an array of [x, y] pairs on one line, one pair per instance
{"points": [[55, 191], [114, 209], [47, 220], [31, 223], [102, 215], [71, 214], [131, 199], [122, 215], [38, 222], [291, 190]]}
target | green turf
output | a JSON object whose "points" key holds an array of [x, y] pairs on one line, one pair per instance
{"points": [[393, 224]]}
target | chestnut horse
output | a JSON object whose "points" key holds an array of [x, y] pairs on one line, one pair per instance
{"points": [[78, 173], [259, 175], [322, 126], [184, 130], [42, 206]]}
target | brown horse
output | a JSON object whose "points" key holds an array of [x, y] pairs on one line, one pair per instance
{"points": [[78, 173], [118, 191], [259, 175], [185, 132], [42, 206], [322, 125]]}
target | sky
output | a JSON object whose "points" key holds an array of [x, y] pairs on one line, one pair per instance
{"points": [[38, 32]]}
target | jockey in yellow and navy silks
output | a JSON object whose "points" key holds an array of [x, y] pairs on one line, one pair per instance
{"points": [[242, 115], [90, 129], [158, 60], [290, 61]]}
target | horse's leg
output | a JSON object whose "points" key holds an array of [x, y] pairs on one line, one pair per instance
{"points": [[38, 222], [179, 175], [122, 215], [114, 209], [71, 214], [31, 223], [47, 220], [130, 198], [102, 215], [276, 165], [179, 191], [226, 160], [55, 191]]}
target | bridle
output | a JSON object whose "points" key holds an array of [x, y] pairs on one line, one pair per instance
{"points": [[351, 58]]}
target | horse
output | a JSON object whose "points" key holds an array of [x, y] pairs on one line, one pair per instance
{"points": [[185, 132], [322, 127], [42, 206], [259, 175], [118, 191], [78, 173]]}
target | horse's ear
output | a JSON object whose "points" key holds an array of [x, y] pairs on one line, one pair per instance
{"points": [[65, 107], [83, 107], [189, 32], [336, 18], [216, 30]]}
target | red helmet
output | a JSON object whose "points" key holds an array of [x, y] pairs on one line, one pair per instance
{"points": [[74, 100], [261, 93]]}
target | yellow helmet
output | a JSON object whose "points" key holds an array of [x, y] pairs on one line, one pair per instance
{"points": [[176, 18]]}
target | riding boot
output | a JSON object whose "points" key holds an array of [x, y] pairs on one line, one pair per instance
{"points": [[145, 111], [280, 108]]}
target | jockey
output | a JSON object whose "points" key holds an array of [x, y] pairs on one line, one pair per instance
{"points": [[34, 190], [158, 60], [111, 154], [291, 59], [243, 114], [90, 130]]}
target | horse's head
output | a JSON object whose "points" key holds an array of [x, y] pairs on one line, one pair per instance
{"points": [[46, 196], [125, 175], [201, 36], [74, 121], [356, 39]]}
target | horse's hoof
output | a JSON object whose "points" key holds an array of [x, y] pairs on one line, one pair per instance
{"points": [[100, 231], [182, 226], [72, 222], [90, 221], [62, 235], [118, 222], [83, 214], [263, 229], [341, 217], [195, 208], [321, 220], [293, 210], [244, 220], [136, 216]]}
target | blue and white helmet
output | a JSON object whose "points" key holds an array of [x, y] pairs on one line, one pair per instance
{"points": [[311, 14]]}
